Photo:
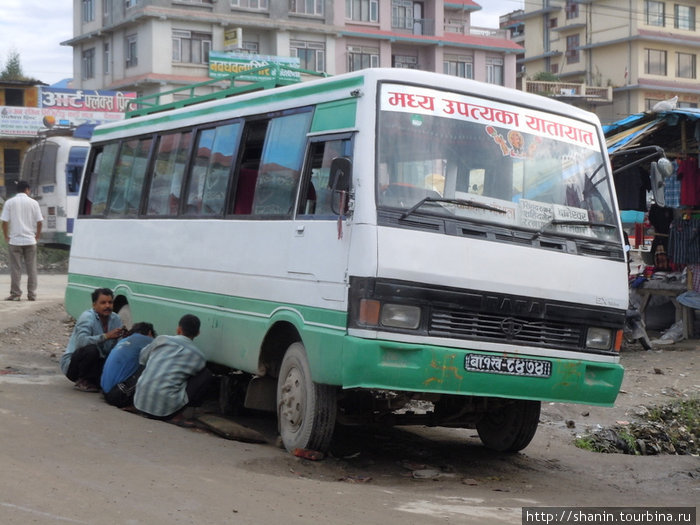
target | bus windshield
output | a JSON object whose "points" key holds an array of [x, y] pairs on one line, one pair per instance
{"points": [[470, 159]]}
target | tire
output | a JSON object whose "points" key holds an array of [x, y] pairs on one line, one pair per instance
{"points": [[305, 410], [124, 314], [511, 427]]}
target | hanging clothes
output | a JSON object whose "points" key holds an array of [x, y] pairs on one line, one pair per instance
{"points": [[672, 188], [684, 241], [689, 174], [631, 187]]}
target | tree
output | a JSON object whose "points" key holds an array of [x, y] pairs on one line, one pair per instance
{"points": [[13, 68]]}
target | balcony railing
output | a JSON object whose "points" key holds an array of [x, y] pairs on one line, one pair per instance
{"points": [[569, 90], [452, 26]]}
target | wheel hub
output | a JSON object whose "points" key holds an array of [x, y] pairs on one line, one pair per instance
{"points": [[292, 399]]}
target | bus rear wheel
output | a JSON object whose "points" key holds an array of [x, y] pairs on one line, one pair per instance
{"points": [[511, 427], [305, 410]]}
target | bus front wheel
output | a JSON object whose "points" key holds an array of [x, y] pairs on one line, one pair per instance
{"points": [[305, 410], [511, 427]]}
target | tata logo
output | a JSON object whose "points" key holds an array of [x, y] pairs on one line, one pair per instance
{"points": [[511, 327], [509, 306]]}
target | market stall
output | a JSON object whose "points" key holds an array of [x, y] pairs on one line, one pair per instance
{"points": [[664, 208]]}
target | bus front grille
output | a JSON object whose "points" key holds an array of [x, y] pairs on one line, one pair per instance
{"points": [[513, 330]]}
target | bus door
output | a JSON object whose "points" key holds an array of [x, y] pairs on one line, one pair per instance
{"points": [[321, 238]]}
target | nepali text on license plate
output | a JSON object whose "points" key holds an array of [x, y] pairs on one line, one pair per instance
{"points": [[516, 366]]}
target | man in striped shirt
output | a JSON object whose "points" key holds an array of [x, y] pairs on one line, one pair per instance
{"points": [[175, 374]]}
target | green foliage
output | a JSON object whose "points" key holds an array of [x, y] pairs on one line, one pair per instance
{"points": [[545, 76], [13, 67]]}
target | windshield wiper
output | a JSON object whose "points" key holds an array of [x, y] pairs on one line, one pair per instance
{"points": [[460, 202], [556, 222]]}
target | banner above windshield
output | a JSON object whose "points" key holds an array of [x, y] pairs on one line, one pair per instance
{"points": [[422, 101]]}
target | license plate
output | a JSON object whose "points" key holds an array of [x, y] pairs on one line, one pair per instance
{"points": [[515, 366]]}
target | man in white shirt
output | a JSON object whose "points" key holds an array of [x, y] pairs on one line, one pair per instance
{"points": [[21, 225]]}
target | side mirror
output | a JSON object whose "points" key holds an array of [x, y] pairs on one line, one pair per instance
{"points": [[339, 181], [665, 167], [341, 174]]}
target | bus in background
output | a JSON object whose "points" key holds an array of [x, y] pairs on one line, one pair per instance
{"points": [[53, 166], [359, 243]]}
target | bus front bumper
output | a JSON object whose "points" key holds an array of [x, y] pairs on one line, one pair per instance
{"points": [[433, 369]]}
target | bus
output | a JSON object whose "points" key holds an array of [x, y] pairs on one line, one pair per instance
{"points": [[383, 246], [53, 166]]}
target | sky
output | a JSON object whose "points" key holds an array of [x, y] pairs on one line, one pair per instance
{"points": [[36, 28]]}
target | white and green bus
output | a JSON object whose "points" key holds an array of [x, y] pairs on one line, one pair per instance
{"points": [[359, 245]]}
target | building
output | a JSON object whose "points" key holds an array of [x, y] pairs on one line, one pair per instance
{"points": [[17, 99], [644, 51], [153, 46]]}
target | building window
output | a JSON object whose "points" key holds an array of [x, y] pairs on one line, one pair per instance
{"points": [[14, 97], [571, 9], [107, 11], [362, 57], [553, 22], [402, 14], [362, 10], [131, 51], [684, 17], [685, 65], [89, 63], [687, 105], [312, 55], [251, 48], [106, 57], [572, 54], [494, 70], [306, 7], [458, 66], [554, 69], [130, 3], [655, 62], [655, 13], [649, 103], [88, 10], [405, 62], [250, 4], [191, 47]]}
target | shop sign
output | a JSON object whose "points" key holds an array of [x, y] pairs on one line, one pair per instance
{"points": [[222, 65], [85, 99]]}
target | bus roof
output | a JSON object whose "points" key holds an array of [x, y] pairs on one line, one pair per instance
{"points": [[330, 88]]}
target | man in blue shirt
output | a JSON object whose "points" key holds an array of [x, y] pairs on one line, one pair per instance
{"points": [[175, 374], [94, 335], [122, 369]]}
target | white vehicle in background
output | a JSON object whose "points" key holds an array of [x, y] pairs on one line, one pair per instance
{"points": [[360, 242], [53, 166]]}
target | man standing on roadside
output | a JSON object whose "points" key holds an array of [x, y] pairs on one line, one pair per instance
{"points": [[21, 225]]}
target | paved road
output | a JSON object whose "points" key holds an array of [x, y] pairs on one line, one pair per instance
{"points": [[51, 290]]}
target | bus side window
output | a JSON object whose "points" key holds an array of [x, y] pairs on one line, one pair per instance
{"points": [[166, 183], [280, 166], [130, 173], [254, 136], [99, 179], [317, 194]]}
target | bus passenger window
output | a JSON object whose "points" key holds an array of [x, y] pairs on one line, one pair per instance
{"points": [[283, 152], [214, 153], [166, 183], [130, 173], [99, 179]]}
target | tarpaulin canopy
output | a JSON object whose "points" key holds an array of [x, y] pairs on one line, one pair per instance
{"points": [[676, 131]]}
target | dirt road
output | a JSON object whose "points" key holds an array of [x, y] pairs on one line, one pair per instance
{"points": [[66, 456]]}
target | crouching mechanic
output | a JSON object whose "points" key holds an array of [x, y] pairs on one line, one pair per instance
{"points": [[175, 374], [95, 334]]}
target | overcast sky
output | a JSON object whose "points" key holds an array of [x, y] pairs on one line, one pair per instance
{"points": [[35, 29]]}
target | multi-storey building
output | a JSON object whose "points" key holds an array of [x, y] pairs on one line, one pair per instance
{"points": [[646, 50], [151, 46]]}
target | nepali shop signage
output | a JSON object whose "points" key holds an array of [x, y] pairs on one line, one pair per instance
{"points": [[63, 107], [222, 65]]}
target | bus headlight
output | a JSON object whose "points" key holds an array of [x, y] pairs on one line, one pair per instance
{"points": [[599, 338], [400, 316]]}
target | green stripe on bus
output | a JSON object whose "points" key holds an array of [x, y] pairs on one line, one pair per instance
{"points": [[265, 98]]}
